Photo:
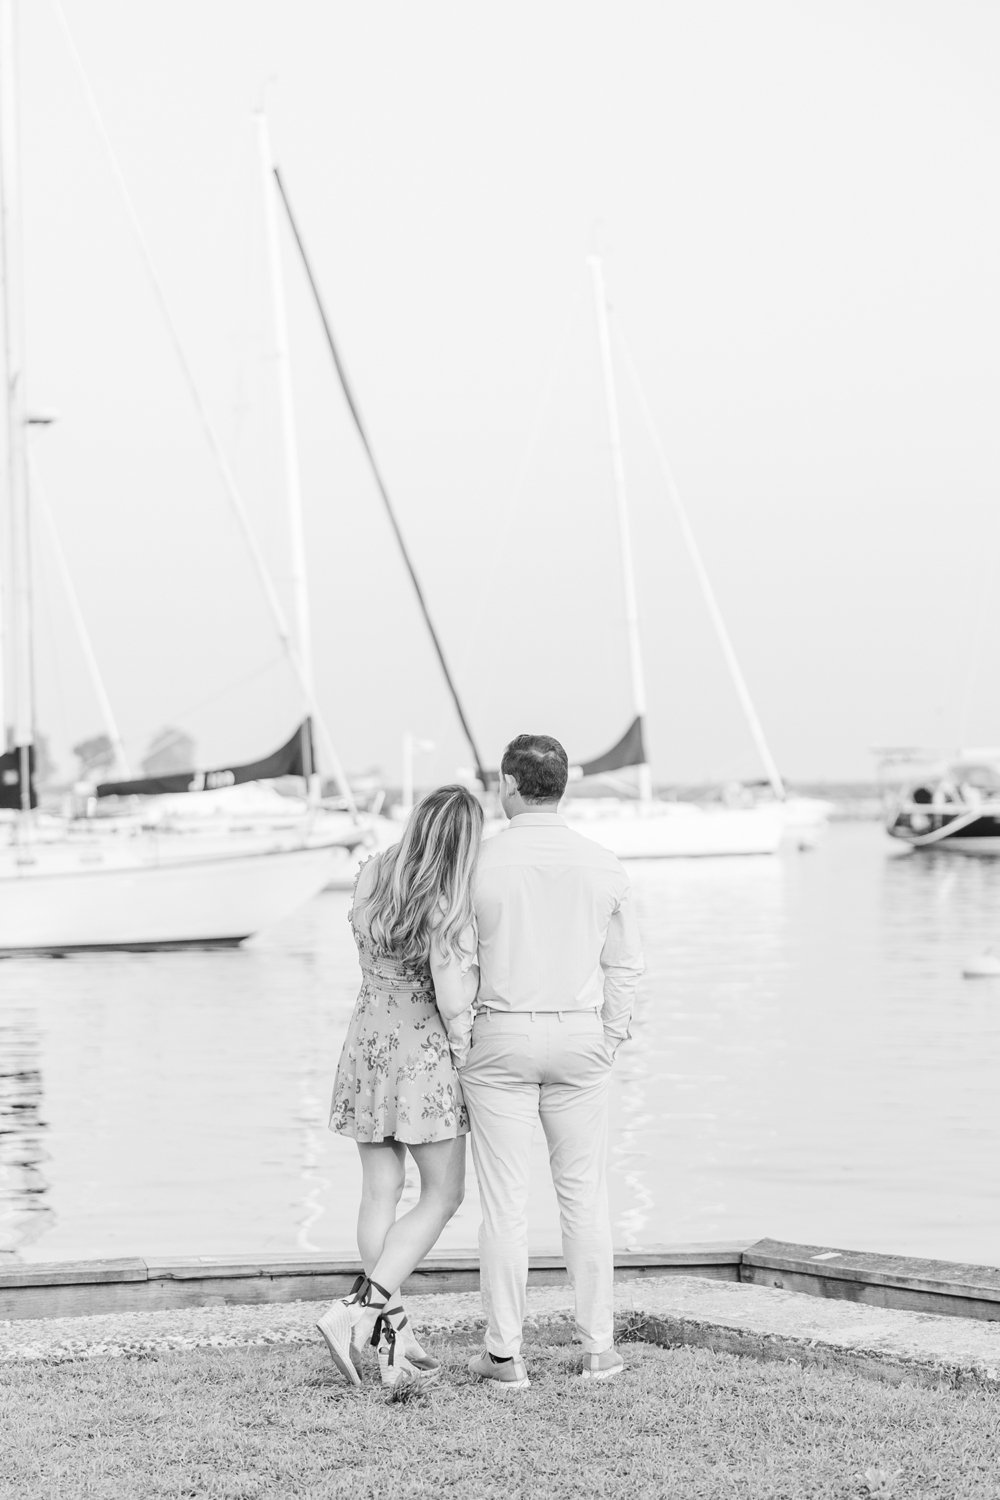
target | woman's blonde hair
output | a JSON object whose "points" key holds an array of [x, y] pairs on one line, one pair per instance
{"points": [[423, 884]]}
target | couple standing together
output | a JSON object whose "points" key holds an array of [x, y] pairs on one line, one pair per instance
{"points": [[499, 980]]}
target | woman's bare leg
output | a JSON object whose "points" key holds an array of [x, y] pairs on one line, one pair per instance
{"points": [[383, 1170], [347, 1323], [441, 1165]]}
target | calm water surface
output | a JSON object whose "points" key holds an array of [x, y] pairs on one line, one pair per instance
{"points": [[808, 1063]]}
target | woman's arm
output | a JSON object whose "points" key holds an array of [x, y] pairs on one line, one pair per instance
{"points": [[364, 882], [456, 983]]}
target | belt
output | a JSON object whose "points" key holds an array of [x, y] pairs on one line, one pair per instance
{"points": [[567, 1010]]}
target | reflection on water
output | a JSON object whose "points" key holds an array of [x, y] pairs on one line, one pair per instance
{"points": [[807, 1063], [25, 1212]]}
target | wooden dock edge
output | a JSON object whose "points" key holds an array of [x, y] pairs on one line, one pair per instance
{"points": [[900, 1281], [74, 1289], [77, 1288]]}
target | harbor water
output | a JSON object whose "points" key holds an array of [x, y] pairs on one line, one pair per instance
{"points": [[808, 1063]]}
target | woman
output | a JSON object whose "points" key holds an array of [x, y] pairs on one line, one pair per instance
{"points": [[397, 1087]]}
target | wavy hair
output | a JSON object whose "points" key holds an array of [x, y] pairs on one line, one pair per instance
{"points": [[423, 884]]}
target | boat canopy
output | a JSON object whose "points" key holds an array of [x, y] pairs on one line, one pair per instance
{"points": [[981, 773], [290, 760]]}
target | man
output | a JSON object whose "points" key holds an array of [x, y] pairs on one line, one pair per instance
{"points": [[560, 959]]}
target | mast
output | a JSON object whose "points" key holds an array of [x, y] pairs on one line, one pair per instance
{"points": [[707, 592], [19, 531], [293, 483], [41, 505], [624, 528], [380, 484], [211, 436], [6, 102]]}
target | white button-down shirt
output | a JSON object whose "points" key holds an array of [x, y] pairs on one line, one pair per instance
{"points": [[557, 928]]}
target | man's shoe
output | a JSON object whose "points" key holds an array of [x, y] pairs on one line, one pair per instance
{"points": [[602, 1366], [504, 1375]]}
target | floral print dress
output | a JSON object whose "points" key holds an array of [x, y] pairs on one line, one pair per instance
{"points": [[395, 1076]]}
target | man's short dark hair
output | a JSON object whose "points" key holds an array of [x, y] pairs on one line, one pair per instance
{"points": [[539, 765]]}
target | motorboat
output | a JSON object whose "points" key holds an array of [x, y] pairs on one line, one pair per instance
{"points": [[950, 802]]}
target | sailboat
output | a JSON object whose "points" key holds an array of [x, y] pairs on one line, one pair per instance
{"points": [[644, 829], [649, 827], [121, 883]]}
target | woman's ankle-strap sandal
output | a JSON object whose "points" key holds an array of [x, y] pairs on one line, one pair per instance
{"points": [[399, 1353], [412, 1347], [343, 1325]]}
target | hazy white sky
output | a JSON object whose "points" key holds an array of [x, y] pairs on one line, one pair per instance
{"points": [[798, 211]]}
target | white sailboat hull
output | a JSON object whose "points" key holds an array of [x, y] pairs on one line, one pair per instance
{"points": [[58, 898], [380, 834], [678, 830], [804, 819]]}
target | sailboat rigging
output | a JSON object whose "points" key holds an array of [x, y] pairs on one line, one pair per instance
{"points": [[345, 384]]}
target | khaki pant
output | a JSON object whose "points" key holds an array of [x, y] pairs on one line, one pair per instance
{"points": [[553, 1066]]}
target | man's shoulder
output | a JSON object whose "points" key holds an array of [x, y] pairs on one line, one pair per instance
{"points": [[598, 853], [506, 848], [608, 868]]}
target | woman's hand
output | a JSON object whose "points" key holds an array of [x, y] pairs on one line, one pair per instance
{"points": [[456, 984]]}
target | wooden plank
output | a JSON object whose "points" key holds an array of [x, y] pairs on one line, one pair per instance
{"points": [[175, 1281], [68, 1273], [654, 1259], [81, 1287], [178, 1268], [908, 1299], [871, 1267], [695, 1253], [74, 1299]]}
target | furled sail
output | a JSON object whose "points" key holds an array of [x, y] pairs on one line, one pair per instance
{"points": [[629, 751], [292, 759], [10, 779]]}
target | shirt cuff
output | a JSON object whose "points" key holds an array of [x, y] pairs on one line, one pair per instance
{"points": [[615, 1039], [459, 1033]]}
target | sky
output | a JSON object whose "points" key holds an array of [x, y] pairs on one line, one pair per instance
{"points": [[799, 224]]}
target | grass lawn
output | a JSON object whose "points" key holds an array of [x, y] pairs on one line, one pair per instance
{"points": [[684, 1423]]}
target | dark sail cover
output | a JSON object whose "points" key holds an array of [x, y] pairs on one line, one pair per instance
{"points": [[10, 778], [290, 760], [629, 751]]}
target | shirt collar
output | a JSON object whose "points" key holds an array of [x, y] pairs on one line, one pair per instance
{"points": [[538, 820]]}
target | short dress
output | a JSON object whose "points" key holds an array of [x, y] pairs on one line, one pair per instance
{"points": [[395, 1076]]}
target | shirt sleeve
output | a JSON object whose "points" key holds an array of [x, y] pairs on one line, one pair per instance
{"points": [[623, 965], [456, 984]]}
